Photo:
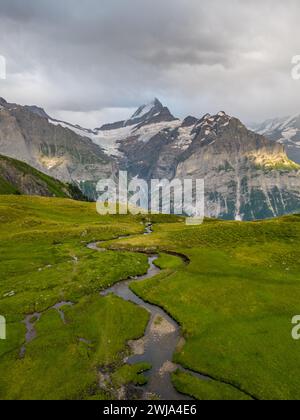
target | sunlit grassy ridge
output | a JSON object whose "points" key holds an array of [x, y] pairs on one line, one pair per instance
{"points": [[279, 162]]}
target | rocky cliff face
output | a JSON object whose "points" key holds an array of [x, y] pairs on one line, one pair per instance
{"points": [[29, 135], [247, 176]]}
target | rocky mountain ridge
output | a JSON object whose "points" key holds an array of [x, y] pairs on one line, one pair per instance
{"points": [[247, 176], [28, 134]]}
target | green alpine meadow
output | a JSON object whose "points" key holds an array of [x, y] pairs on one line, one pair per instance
{"points": [[232, 288], [149, 204]]}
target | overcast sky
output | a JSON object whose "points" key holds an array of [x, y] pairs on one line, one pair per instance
{"points": [[94, 61]]}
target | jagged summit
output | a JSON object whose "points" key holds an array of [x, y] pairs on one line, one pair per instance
{"points": [[214, 123], [3, 102], [151, 108], [151, 113]]}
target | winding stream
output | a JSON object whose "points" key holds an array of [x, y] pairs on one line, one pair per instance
{"points": [[158, 345], [31, 319], [160, 340]]}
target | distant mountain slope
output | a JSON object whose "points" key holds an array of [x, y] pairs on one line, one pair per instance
{"points": [[146, 122], [285, 131], [247, 176], [28, 134], [19, 178]]}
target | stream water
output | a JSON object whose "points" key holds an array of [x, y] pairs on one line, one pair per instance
{"points": [[158, 345], [156, 348], [31, 319], [160, 340]]}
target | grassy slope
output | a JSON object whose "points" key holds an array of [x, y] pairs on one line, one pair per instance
{"points": [[235, 302], [44, 261], [6, 187], [55, 187]]}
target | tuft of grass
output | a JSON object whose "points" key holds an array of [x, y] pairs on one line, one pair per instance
{"points": [[206, 390], [131, 374], [168, 262]]}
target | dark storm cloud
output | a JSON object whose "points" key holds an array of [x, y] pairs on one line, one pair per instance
{"points": [[198, 56]]}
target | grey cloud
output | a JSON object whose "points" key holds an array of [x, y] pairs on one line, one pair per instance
{"points": [[198, 56]]}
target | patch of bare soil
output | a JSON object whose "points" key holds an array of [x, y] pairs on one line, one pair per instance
{"points": [[168, 367], [138, 346], [161, 326]]}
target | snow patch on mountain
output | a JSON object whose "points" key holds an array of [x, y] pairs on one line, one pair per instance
{"points": [[144, 110], [109, 140], [285, 131], [145, 133], [83, 132], [287, 127], [289, 134], [184, 139]]}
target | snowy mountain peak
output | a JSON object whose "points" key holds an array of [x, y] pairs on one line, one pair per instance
{"points": [[151, 113], [284, 130], [220, 119], [222, 114], [3, 102], [154, 106]]}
